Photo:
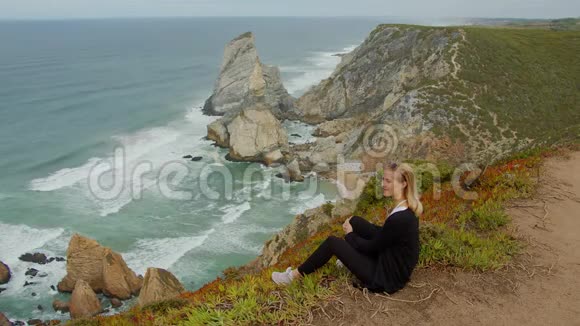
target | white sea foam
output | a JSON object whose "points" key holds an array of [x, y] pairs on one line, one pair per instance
{"points": [[161, 253], [64, 178], [308, 202], [16, 240], [320, 66], [230, 239], [154, 148], [233, 212]]}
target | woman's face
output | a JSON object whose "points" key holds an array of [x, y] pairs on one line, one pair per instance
{"points": [[392, 187]]}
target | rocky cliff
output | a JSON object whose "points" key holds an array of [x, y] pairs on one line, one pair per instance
{"points": [[454, 94]]}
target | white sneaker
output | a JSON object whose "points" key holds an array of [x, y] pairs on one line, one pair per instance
{"points": [[339, 264], [283, 277]]}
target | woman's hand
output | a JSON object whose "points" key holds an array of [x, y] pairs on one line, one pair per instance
{"points": [[346, 227]]}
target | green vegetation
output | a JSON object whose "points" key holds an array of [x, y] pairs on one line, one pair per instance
{"points": [[486, 217], [327, 208], [447, 246], [527, 77], [522, 80]]}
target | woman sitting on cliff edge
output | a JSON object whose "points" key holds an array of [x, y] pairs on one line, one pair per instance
{"points": [[382, 258]]}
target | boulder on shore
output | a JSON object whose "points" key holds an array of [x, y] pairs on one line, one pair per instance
{"points": [[255, 132], [84, 301], [159, 284], [61, 306], [218, 132], [116, 303], [4, 273], [4, 321], [36, 257], [84, 261], [119, 280], [103, 269], [294, 171]]}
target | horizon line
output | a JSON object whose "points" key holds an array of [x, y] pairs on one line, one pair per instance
{"points": [[17, 19]]}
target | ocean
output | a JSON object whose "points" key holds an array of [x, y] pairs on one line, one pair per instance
{"points": [[75, 93]]}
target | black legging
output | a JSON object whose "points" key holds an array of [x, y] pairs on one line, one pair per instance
{"points": [[361, 265]]}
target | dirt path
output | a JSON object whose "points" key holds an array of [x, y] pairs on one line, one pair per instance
{"points": [[455, 50], [541, 287]]}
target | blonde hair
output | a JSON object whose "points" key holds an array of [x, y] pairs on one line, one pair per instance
{"points": [[411, 192]]}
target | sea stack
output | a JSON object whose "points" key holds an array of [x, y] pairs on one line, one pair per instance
{"points": [[244, 81]]}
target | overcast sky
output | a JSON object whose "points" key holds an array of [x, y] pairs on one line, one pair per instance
{"points": [[50, 9]]}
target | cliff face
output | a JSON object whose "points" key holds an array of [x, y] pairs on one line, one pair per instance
{"points": [[471, 94], [244, 81], [377, 73]]}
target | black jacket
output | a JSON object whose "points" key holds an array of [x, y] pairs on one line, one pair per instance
{"points": [[396, 246]]}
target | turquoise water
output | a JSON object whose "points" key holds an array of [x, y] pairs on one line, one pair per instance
{"points": [[72, 92]]}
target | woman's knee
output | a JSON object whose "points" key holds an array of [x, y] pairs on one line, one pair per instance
{"points": [[355, 219], [332, 241]]}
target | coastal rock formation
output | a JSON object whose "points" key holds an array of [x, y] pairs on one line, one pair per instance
{"points": [[244, 81], [291, 171], [104, 270], [252, 134], [84, 301], [84, 257], [38, 258], [321, 156], [4, 321], [159, 284], [116, 303], [119, 280], [294, 171], [4, 273], [218, 132], [273, 157]]}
